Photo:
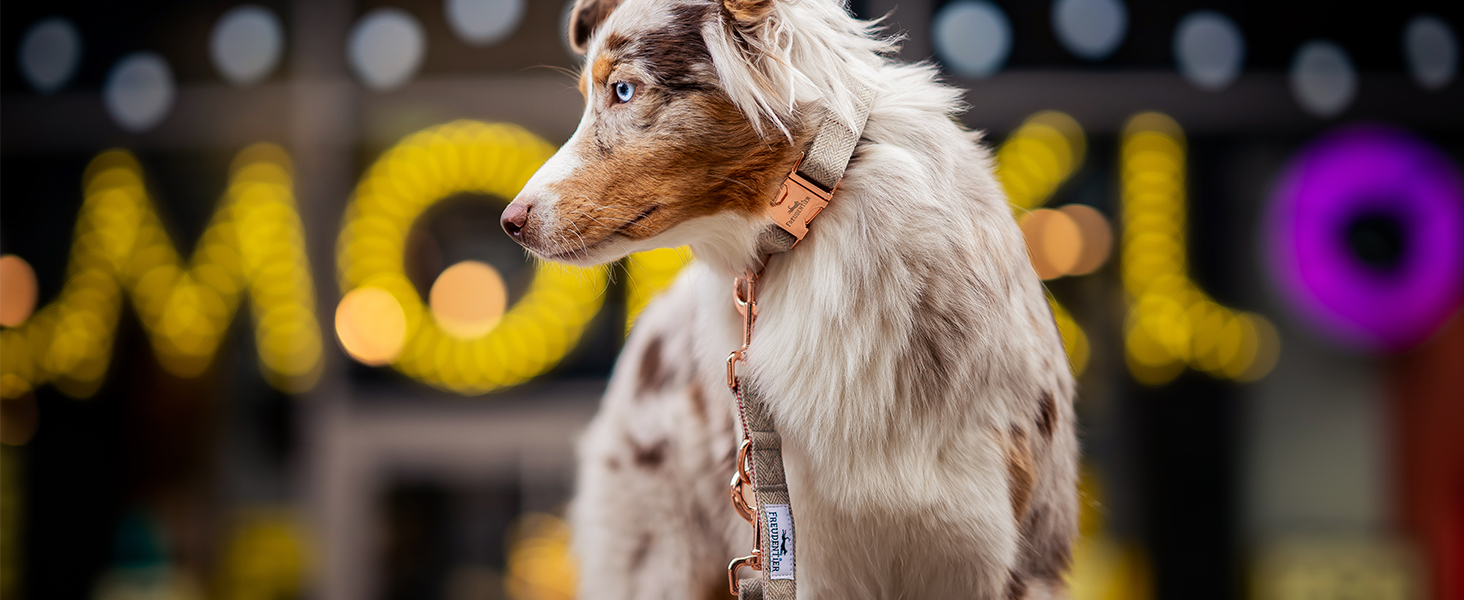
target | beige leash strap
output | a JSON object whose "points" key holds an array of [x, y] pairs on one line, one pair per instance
{"points": [[760, 486], [775, 515]]}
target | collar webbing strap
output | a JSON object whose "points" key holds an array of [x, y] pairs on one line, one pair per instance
{"points": [[829, 154], [810, 187], [803, 195]]}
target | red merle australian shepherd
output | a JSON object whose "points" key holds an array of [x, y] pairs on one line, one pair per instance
{"points": [[904, 349]]}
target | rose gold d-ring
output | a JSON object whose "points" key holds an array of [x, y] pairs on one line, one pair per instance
{"points": [[743, 498]]}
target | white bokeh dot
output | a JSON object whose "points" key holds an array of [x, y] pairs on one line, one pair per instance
{"points": [[1091, 29], [386, 48], [49, 54], [484, 22], [1432, 51], [1209, 50], [1322, 78], [246, 44], [973, 38], [139, 91]]}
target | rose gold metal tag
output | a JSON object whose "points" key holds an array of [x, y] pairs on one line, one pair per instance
{"points": [[797, 203]]}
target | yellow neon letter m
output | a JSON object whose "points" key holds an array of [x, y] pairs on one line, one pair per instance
{"points": [[254, 242]]}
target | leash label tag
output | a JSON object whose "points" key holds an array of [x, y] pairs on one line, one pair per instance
{"points": [[778, 563]]}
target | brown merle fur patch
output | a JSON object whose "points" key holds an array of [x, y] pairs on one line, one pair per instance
{"points": [[1046, 414], [1016, 588], [680, 149], [1020, 470], [942, 326], [653, 370], [1046, 549], [648, 457], [698, 401], [641, 551]]}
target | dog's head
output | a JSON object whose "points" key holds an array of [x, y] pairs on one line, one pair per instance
{"points": [[672, 147]]}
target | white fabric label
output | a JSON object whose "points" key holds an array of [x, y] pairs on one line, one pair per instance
{"points": [[779, 561]]}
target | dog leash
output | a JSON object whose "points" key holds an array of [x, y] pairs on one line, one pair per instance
{"points": [[760, 487]]}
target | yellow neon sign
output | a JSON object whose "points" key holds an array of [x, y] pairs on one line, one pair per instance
{"points": [[424, 168], [254, 241], [648, 273], [1171, 321], [1037, 158]]}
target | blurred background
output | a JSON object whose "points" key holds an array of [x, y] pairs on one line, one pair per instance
{"points": [[263, 338]]}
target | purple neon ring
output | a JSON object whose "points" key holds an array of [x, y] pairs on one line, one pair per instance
{"points": [[1370, 171]]}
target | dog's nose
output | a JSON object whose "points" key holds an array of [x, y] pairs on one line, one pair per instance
{"points": [[514, 218]]}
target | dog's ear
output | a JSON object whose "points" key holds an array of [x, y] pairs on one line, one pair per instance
{"points": [[585, 18], [748, 12]]}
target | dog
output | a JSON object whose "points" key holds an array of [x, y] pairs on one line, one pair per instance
{"points": [[905, 348]]}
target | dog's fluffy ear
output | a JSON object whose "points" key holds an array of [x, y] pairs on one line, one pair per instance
{"points": [[585, 18], [748, 12]]}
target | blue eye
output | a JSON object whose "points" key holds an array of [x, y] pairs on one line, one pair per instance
{"points": [[624, 91]]}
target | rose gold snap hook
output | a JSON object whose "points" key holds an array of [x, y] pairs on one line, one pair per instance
{"points": [[752, 561], [742, 494]]}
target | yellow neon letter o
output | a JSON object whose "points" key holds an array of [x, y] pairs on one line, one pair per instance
{"points": [[422, 169]]}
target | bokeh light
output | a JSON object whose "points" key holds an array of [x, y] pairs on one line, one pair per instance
{"points": [[17, 290], [424, 168], [468, 299], [1054, 242], [254, 241], [1323, 79], [266, 557], [1074, 339], [1090, 29], [540, 566], [1097, 236], [1209, 49], [1171, 322], [1041, 154], [1072, 240], [371, 326], [246, 44], [1366, 237], [1432, 51], [484, 22], [386, 48], [50, 53], [139, 91], [648, 273], [972, 37], [1031, 164]]}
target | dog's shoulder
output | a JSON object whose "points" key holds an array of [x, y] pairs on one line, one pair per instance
{"points": [[662, 395]]}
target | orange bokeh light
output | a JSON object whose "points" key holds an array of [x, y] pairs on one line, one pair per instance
{"points": [[1097, 237], [371, 325], [468, 299], [17, 290], [1054, 241]]}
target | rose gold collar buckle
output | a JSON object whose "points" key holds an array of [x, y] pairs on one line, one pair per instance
{"points": [[797, 203]]}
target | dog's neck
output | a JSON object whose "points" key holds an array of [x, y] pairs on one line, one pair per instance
{"points": [[912, 288]]}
